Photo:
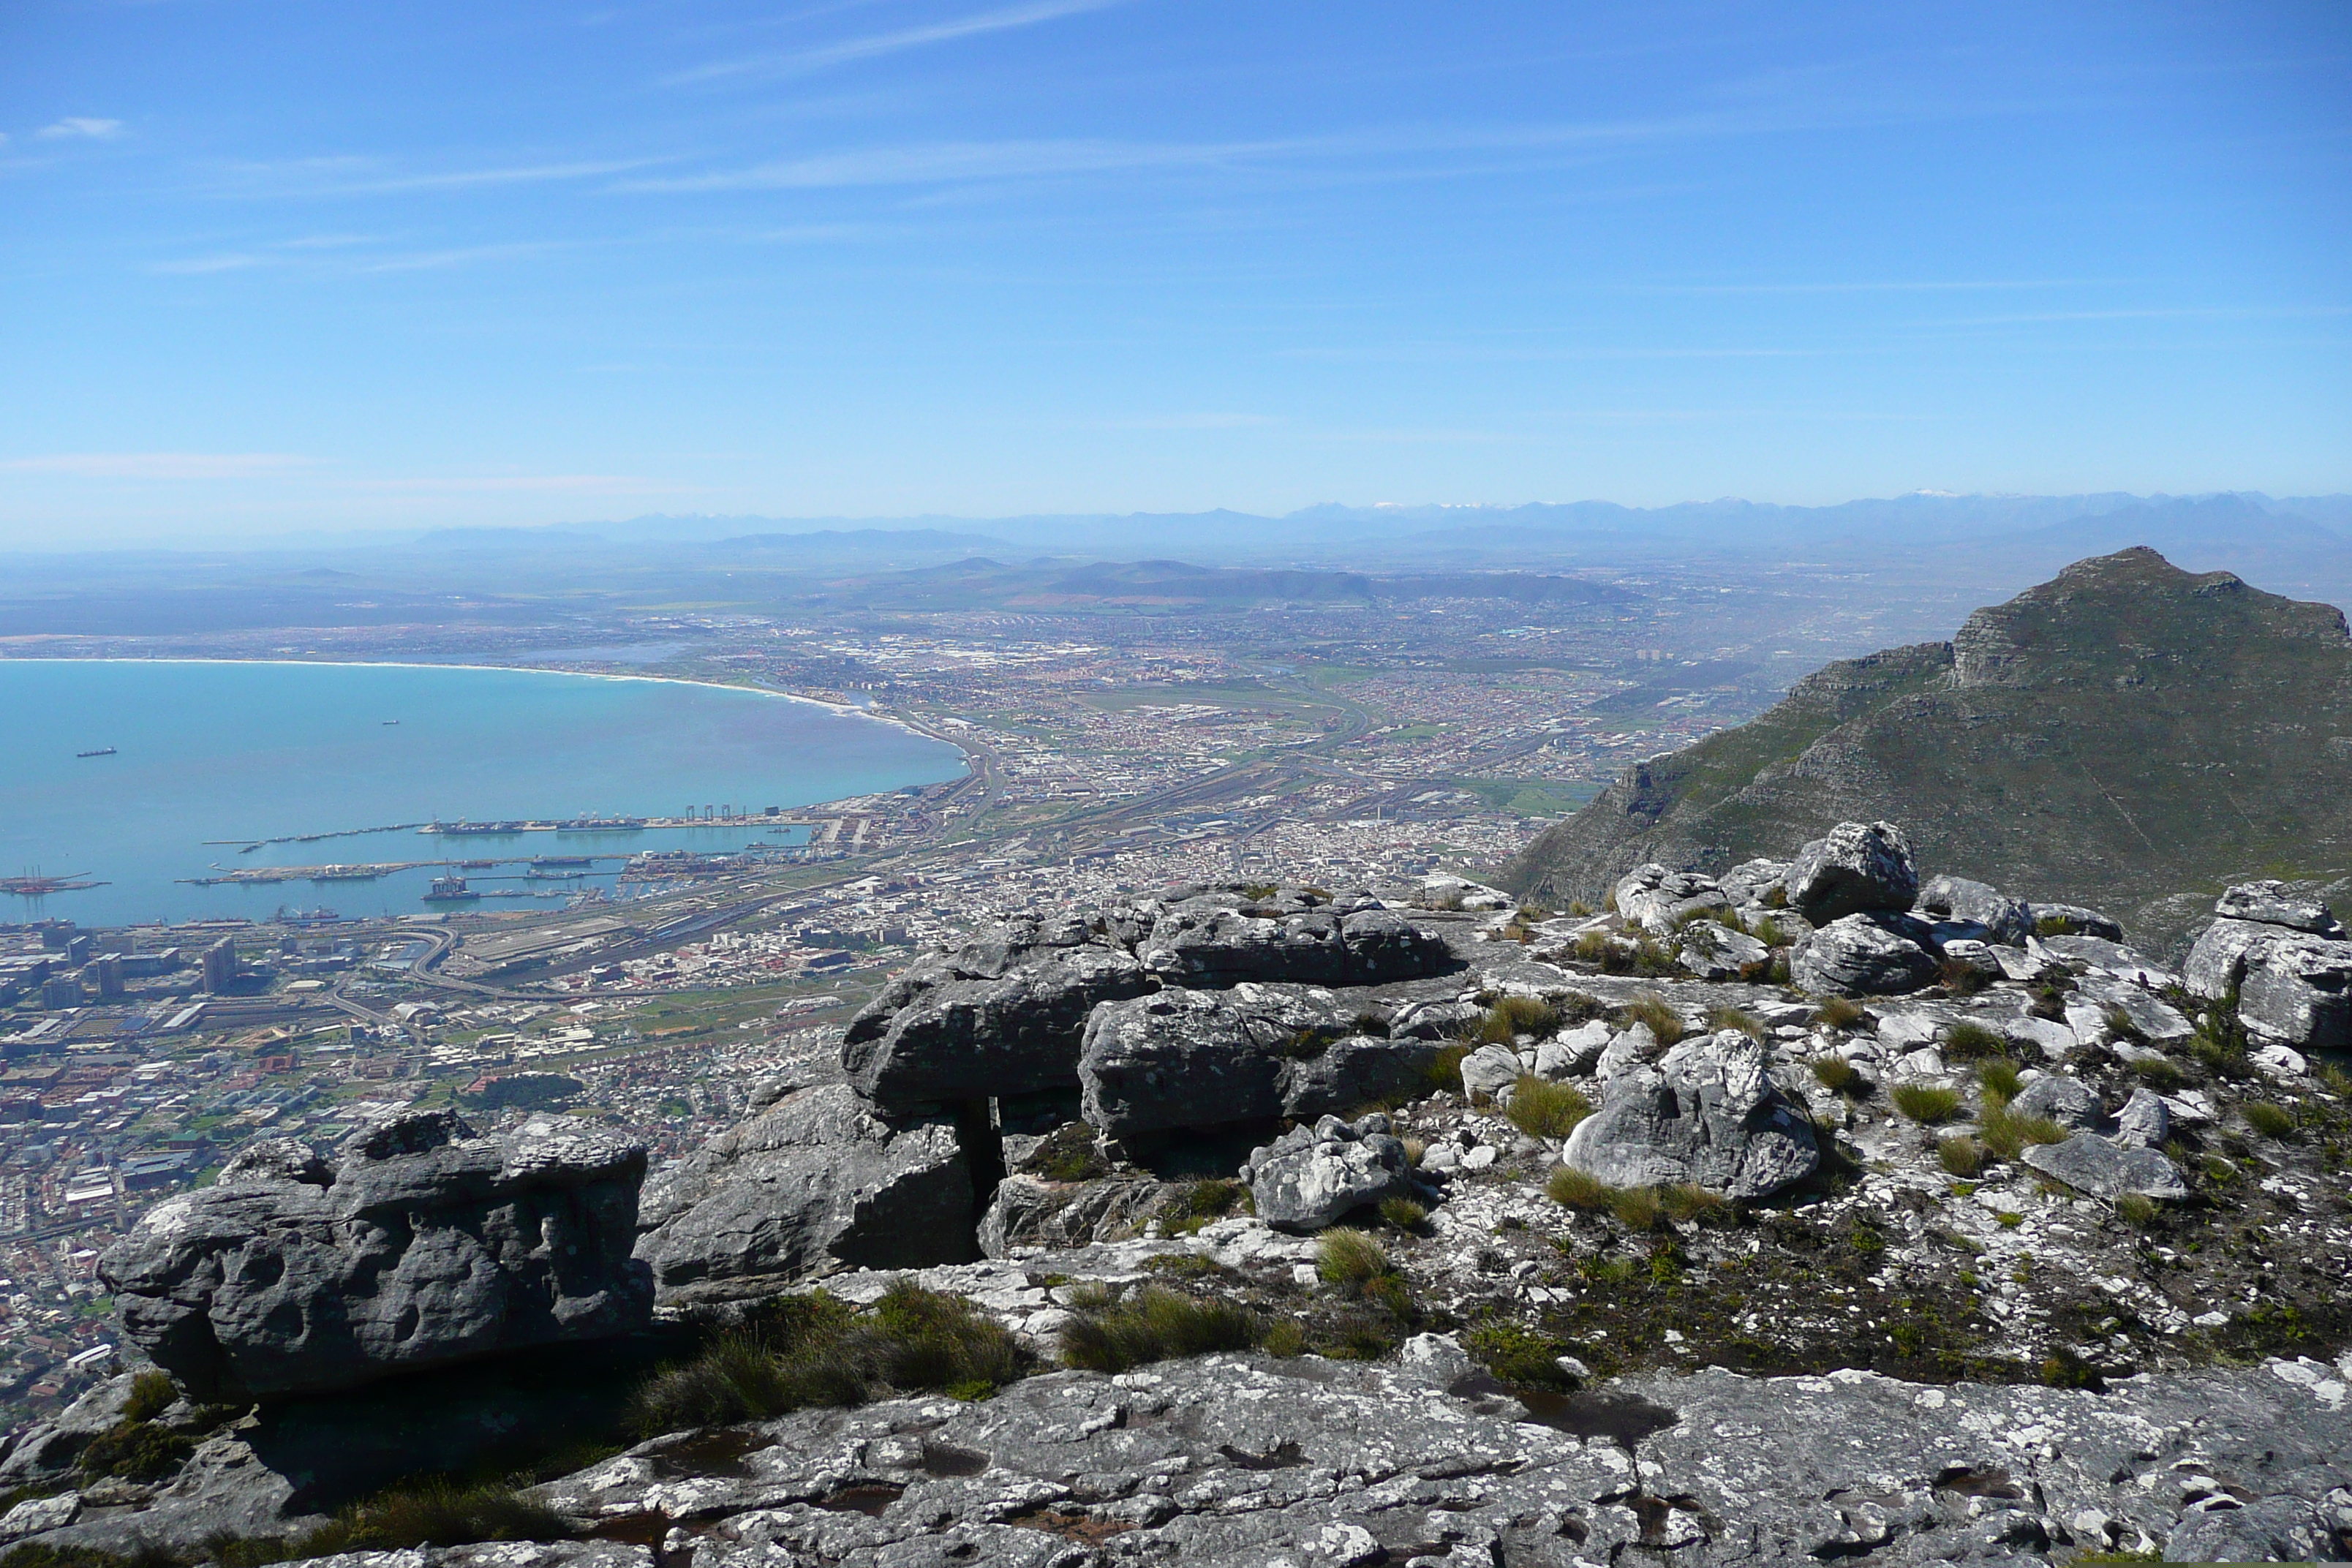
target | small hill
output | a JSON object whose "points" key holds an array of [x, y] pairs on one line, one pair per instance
{"points": [[2111, 738]]}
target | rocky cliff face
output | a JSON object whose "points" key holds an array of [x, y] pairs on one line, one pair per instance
{"points": [[2111, 737]]}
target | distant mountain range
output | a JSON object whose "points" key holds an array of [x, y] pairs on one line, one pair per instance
{"points": [[2113, 737]]}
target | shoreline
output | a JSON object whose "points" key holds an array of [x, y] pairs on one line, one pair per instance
{"points": [[844, 709]]}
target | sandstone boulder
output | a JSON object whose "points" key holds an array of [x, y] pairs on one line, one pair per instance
{"points": [[1311, 1178], [2067, 1101], [2093, 1164], [1657, 900], [1179, 1058], [2006, 921], [423, 1243], [1202, 943], [821, 1180], [1030, 1214], [972, 1038], [1864, 955], [1714, 952], [1859, 866], [2271, 903], [1709, 1113]]}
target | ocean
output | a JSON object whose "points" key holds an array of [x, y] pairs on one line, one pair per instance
{"points": [[206, 750]]}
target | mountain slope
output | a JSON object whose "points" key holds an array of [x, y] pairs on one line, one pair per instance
{"points": [[2112, 737]]}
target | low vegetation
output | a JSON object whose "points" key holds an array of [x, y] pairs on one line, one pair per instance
{"points": [[1927, 1104], [1960, 1155], [1725, 1017], [1156, 1323], [2274, 1121], [1972, 1042], [1654, 1011], [1837, 1075], [1344, 1256], [2007, 1134], [813, 1349], [1541, 1109], [1403, 1213], [2001, 1081], [1572, 1188], [1840, 1012]]}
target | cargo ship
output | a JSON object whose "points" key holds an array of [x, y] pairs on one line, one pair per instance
{"points": [[101, 751], [449, 890]]}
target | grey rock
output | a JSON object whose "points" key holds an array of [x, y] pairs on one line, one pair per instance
{"points": [[1212, 943], [1708, 1113], [971, 1039], [819, 1182], [1658, 899], [2143, 1123], [431, 1244], [1572, 1053], [2006, 921], [1029, 1213], [2152, 1018], [1179, 1058], [1859, 867], [2065, 1100], [2297, 991], [1864, 955], [2078, 921], [1311, 1178], [1752, 883], [1489, 1071], [2272, 903], [2090, 1164], [2267, 1530], [2217, 960], [1241, 1461], [1715, 951]]}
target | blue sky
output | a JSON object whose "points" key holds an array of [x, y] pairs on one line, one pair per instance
{"points": [[268, 266]]}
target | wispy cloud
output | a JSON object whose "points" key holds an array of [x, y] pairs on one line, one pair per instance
{"points": [[198, 266], [1206, 421], [874, 45], [463, 256], [362, 176], [75, 125], [159, 465]]}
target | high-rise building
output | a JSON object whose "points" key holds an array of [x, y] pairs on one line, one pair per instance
{"points": [[220, 965], [106, 970]]}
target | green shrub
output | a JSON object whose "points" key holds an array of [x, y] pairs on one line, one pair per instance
{"points": [[2157, 1073], [1444, 1067], [1839, 1012], [1724, 1016], [1927, 1104], [1345, 1256], [438, 1512], [1068, 1155], [2135, 1209], [1201, 1202], [1963, 979], [1541, 1109], [1834, 1073], [2270, 1121], [1770, 932], [804, 1351], [1158, 1324], [1649, 1007], [1526, 1015], [1518, 1354], [2053, 925], [1403, 1213], [1284, 1337], [151, 1393], [1961, 1155], [1574, 1189], [1972, 1042]]}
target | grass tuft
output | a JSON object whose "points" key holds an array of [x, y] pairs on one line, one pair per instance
{"points": [[1927, 1104], [1574, 1189], [1835, 1074], [1724, 1017], [1960, 1155], [1972, 1042], [2007, 1134], [2002, 1080], [1649, 1007], [2275, 1121], [1158, 1324], [1345, 1256], [1839, 1012], [1637, 1208], [1541, 1109], [1403, 1213]]}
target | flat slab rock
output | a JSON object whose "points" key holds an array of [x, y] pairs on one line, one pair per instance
{"points": [[1251, 1461]]}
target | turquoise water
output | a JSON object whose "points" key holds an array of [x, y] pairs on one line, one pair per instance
{"points": [[233, 751]]}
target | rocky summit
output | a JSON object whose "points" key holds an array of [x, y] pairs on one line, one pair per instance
{"points": [[2113, 737], [1827, 1206]]}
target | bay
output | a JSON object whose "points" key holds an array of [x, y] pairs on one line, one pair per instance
{"points": [[216, 749]]}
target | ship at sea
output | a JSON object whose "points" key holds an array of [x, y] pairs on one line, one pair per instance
{"points": [[449, 890], [101, 751]]}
